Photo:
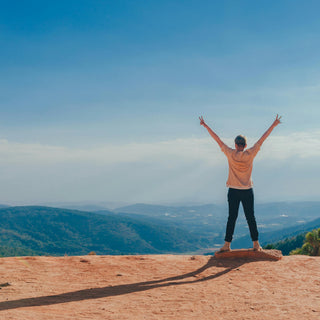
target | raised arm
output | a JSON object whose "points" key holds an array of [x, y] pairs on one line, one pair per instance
{"points": [[212, 134], [267, 133]]}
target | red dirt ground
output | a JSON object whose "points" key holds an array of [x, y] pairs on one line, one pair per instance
{"points": [[159, 287]]}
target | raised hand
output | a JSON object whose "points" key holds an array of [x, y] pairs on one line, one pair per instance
{"points": [[277, 120], [202, 123]]}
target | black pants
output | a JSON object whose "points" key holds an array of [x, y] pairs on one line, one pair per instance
{"points": [[235, 196]]}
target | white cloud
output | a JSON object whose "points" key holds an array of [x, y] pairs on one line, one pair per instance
{"points": [[295, 145], [187, 149], [182, 169], [298, 144]]}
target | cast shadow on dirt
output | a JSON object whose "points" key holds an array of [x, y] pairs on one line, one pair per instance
{"points": [[195, 277]]}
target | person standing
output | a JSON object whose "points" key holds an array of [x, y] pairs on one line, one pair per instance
{"points": [[239, 182]]}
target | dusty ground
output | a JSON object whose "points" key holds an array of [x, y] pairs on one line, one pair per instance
{"points": [[159, 287]]}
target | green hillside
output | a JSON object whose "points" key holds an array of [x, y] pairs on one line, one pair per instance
{"points": [[47, 230], [303, 243], [288, 244], [6, 251]]}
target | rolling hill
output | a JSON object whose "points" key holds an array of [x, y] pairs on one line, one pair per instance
{"points": [[54, 231], [143, 229]]}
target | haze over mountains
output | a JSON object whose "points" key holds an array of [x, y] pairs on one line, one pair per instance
{"points": [[210, 220], [144, 229]]}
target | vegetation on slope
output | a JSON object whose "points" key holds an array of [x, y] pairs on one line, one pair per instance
{"points": [[288, 244], [6, 251], [60, 231], [307, 243], [311, 246]]}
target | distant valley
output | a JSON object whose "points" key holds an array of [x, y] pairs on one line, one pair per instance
{"points": [[143, 229], [209, 221]]}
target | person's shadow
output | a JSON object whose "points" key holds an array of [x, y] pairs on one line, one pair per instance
{"points": [[95, 293]]}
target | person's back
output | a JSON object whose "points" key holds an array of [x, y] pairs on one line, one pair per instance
{"points": [[240, 166]]}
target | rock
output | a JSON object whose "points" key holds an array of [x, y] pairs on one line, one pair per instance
{"points": [[251, 254]]}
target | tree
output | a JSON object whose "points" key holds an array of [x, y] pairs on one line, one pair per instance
{"points": [[311, 247]]}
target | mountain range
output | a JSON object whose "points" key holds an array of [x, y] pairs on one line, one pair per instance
{"points": [[144, 229]]}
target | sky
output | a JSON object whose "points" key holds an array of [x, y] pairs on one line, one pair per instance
{"points": [[99, 100]]}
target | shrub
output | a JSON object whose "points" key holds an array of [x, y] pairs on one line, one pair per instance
{"points": [[311, 246]]}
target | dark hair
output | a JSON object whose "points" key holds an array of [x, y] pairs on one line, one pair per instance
{"points": [[240, 140]]}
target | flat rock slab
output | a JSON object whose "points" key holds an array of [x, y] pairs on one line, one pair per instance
{"points": [[250, 253]]}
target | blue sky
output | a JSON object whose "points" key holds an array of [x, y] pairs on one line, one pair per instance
{"points": [[127, 80]]}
